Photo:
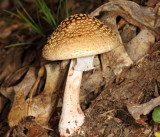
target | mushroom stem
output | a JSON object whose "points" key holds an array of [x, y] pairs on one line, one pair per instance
{"points": [[72, 116]]}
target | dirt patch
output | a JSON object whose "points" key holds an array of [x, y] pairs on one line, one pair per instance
{"points": [[108, 114]]}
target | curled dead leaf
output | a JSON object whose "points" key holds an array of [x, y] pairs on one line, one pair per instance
{"points": [[138, 46], [143, 109], [26, 85], [42, 105]]}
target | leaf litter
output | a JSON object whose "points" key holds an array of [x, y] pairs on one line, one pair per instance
{"points": [[111, 93]]}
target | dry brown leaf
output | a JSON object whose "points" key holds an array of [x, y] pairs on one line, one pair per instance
{"points": [[7, 30], [42, 105], [3, 102], [28, 127], [143, 109], [4, 4], [128, 32], [151, 2], [26, 85], [131, 12], [12, 63], [18, 110], [56, 73], [20, 107], [140, 45], [157, 11], [15, 77], [117, 59], [134, 14]]}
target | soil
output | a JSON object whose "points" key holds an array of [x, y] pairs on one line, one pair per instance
{"points": [[105, 104]]}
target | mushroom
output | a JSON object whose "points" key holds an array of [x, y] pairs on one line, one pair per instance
{"points": [[79, 36]]}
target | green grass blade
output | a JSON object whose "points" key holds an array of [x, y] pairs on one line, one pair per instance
{"points": [[12, 13], [32, 22], [66, 8], [26, 20], [48, 17], [18, 44], [21, 16], [38, 18], [31, 25], [59, 9], [27, 13], [15, 21], [48, 13]]}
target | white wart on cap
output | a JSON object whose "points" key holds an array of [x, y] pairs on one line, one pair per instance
{"points": [[78, 36]]}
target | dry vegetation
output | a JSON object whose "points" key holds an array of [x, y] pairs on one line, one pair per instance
{"points": [[117, 97]]}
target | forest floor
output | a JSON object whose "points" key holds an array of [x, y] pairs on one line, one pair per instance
{"points": [[110, 102]]}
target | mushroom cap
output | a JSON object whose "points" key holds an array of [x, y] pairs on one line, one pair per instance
{"points": [[78, 36]]}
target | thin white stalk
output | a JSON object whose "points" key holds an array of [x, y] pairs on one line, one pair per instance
{"points": [[72, 116]]}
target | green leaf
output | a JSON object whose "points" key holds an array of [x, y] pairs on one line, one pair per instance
{"points": [[156, 115], [18, 44]]}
